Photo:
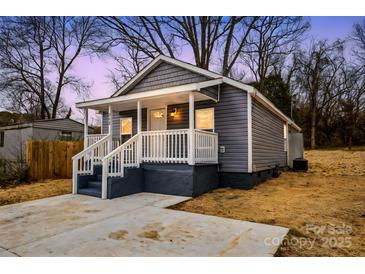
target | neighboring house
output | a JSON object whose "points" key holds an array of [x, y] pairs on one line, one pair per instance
{"points": [[14, 137], [183, 130]]}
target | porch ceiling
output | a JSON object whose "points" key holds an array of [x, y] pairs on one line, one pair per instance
{"points": [[153, 98]]}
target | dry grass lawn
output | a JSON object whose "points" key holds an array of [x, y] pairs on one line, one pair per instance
{"points": [[325, 207], [33, 191]]}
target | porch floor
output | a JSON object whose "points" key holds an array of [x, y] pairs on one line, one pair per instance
{"points": [[135, 225]]}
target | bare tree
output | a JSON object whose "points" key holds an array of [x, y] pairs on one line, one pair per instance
{"points": [[126, 66], [23, 49], [204, 36], [353, 104], [36, 57], [273, 39], [353, 99], [358, 38], [320, 79], [146, 35], [205, 33]]}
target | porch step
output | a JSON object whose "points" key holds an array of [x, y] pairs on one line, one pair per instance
{"points": [[93, 188], [90, 191], [94, 184]]}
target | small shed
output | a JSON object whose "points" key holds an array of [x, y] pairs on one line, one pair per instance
{"points": [[14, 137]]}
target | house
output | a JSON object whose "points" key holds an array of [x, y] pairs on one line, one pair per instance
{"points": [[178, 129], [13, 137]]}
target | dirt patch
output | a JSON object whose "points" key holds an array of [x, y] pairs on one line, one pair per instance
{"points": [[152, 231], [34, 191], [15, 218], [118, 235], [92, 210], [151, 234], [323, 208]]}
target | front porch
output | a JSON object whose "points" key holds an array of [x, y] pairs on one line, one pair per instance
{"points": [[148, 139]]}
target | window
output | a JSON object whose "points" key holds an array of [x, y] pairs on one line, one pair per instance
{"points": [[204, 118], [2, 137], [126, 126], [66, 135]]}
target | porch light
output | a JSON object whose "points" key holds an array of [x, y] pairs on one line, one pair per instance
{"points": [[158, 114], [173, 112]]}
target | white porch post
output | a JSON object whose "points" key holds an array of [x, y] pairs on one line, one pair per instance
{"points": [[191, 154], [139, 129], [86, 126], [110, 130]]}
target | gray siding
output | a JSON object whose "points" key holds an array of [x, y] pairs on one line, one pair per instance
{"points": [[123, 114], [230, 124], [14, 143], [267, 139], [166, 75]]}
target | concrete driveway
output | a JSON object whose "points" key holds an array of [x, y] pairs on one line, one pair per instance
{"points": [[135, 225]]}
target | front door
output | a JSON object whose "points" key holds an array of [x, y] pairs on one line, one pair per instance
{"points": [[158, 119]]}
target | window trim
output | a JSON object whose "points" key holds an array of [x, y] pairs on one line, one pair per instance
{"points": [[213, 118], [285, 137], [120, 126]]}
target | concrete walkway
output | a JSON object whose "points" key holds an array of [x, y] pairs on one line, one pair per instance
{"points": [[135, 225]]}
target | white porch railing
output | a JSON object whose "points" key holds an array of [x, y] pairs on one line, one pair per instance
{"points": [[83, 162], [165, 146], [93, 138], [206, 147]]}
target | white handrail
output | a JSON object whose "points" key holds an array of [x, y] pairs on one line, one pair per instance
{"points": [[113, 164], [93, 138], [84, 161]]}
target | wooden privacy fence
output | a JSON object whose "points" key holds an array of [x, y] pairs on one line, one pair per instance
{"points": [[51, 159]]}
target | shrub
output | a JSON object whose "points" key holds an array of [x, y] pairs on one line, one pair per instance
{"points": [[12, 172]]}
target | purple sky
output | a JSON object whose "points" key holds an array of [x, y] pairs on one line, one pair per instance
{"points": [[95, 70]]}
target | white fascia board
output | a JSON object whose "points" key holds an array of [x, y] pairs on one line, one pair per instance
{"points": [[153, 93]]}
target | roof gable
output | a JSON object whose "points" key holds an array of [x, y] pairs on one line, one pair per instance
{"points": [[203, 72], [183, 72], [161, 74], [166, 75]]}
